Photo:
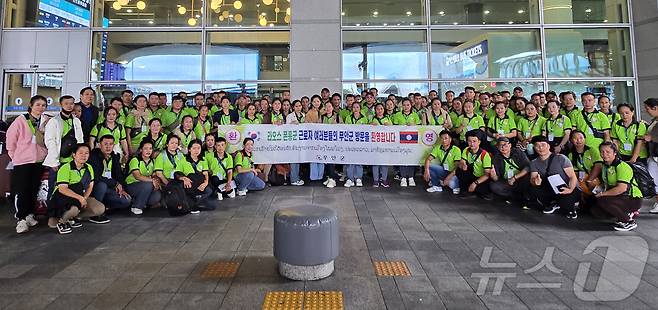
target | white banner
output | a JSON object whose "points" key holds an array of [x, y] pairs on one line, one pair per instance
{"points": [[339, 144]]}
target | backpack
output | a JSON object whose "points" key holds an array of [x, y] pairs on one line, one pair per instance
{"points": [[278, 174], [644, 180], [175, 199]]}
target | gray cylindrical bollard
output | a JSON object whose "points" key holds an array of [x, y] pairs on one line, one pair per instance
{"points": [[306, 242]]}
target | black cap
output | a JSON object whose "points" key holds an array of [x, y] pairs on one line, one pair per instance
{"points": [[502, 139], [539, 139]]}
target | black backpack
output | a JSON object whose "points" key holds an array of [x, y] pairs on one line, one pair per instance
{"points": [[277, 175], [175, 199], [644, 180]]}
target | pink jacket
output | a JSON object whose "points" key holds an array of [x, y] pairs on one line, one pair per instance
{"points": [[19, 143]]}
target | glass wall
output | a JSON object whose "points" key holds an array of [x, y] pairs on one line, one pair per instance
{"points": [[492, 45]]}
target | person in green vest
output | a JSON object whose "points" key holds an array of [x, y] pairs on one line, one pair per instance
{"points": [[221, 168], [110, 127], [501, 125], [203, 124], [250, 117], [486, 110], [173, 116], [474, 166], [380, 172], [557, 128], [519, 108], [185, 132], [192, 172], [628, 134], [592, 122], [456, 112], [440, 165], [137, 121], [154, 105], [116, 103], [167, 161], [156, 136], [569, 108], [622, 196], [72, 198], [406, 117], [586, 163], [437, 116], [391, 107], [246, 174], [275, 115], [529, 127], [355, 172], [345, 112], [606, 108], [142, 183], [469, 121]]}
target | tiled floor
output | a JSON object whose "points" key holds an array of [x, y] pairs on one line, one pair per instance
{"points": [[156, 262]]}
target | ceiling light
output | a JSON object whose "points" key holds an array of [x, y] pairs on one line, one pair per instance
{"points": [[442, 13], [411, 24], [605, 20], [151, 22], [141, 5], [510, 22], [271, 25], [267, 2], [277, 10], [116, 5], [197, 16], [588, 10], [287, 19], [237, 4], [358, 25], [123, 2], [182, 10], [262, 21], [520, 11], [129, 10], [385, 24], [264, 14], [487, 12], [342, 13], [288, 11], [375, 13], [221, 18], [225, 14], [238, 18], [191, 21], [408, 13], [455, 23]]}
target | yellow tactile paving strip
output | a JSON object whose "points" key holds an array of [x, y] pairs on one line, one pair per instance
{"points": [[391, 268], [220, 269], [323, 300], [283, 301], [297, 300]]}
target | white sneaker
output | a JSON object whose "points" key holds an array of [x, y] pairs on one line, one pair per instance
{"points": [[331, 183], [435, 189], [456, 191], [403, 182], [231, 194], [31, 221], [342, 178], [359, 183], [242, 193], [220, 196], [22, 227], [412, 182], [654, 209], [136, 211], [348, 183], [298, 183], [326, 182]]}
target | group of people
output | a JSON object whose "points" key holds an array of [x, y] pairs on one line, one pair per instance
{"points": [[143, 152]]}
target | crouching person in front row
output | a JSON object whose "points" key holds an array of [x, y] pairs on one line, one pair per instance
{"points": [[72, 199], [221, 168], [554, 184], [622, 197], [142, 182], [509, 175], [473, 170], [441, 173], [192, 171], [109, 179], [247, 176]]}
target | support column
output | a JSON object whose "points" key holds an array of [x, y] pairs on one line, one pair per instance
{"points": [[315, 47]]}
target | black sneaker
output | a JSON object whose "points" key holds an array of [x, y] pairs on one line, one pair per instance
{"points": [[625, 226], [75, 223], [101, 219], [63, 228], [551, 209], [572, 215]]}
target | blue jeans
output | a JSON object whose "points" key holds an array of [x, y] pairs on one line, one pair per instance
{"points": [[438, 174], [143, 194], [249, 181], [379, 173], [109, 196], [317, 171], [354, 172], [294, 173]]}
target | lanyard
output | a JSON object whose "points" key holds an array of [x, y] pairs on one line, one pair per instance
{"points": [[532, 127], [357, 119], [511, 163], [406, 117], [379, 120], [553, 121], [300, 119], [634, 133], [33, 127], [436, 118], [107, 165], [499, 122], [445, 155], [327, 119]]}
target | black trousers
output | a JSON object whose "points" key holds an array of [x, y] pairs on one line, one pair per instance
{"points": [[517, 193], [543, 195], [618, 206], [467, 177], [26, 180]]}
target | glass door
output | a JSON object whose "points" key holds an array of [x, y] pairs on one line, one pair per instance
{"points": [[20, 86]]}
